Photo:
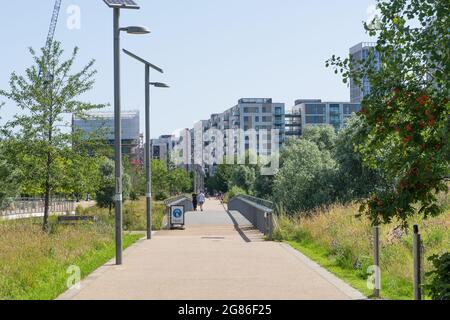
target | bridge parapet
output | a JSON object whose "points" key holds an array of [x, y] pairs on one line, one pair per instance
{"points": [[258, 211], [177, 201]]}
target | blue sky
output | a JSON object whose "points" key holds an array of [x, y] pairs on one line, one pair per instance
{"points": [[213, 51]]}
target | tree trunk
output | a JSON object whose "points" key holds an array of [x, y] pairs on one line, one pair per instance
{"points": [[45, 226]]}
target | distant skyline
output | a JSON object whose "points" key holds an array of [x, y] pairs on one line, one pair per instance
{"points": [[213, 52]]}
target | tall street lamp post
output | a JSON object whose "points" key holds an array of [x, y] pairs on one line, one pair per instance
{"points": [[148, 156], [116, 5]]}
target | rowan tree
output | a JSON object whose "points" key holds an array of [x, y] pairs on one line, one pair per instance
{"points": [[407, 111]]}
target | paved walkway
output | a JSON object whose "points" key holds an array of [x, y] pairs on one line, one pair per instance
{"points": [[218, 256]]}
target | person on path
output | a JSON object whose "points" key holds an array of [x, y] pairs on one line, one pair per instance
{"points": [[201, 200], [194, 201]]}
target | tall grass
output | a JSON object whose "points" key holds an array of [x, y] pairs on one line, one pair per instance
{"points": [[343, 243], [134, 215], [33, 264]]}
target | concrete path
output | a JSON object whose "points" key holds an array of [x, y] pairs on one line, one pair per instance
{"points": [[218, 256]]}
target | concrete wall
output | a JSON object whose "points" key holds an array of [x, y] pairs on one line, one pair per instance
{"points": [[260, 216]]}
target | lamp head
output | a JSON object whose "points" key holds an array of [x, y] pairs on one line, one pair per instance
{"points": [[136, 30], [159, 85]]}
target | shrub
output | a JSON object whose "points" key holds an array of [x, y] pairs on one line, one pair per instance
{"points": [[133, 219], [439, 286], [80, 211], [244, 177], [233, 192], [161, 195]]}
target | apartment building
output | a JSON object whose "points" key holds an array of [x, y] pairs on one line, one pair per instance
{"points": [[313, 112], [162, 147], [361, 53], [249, 113]]}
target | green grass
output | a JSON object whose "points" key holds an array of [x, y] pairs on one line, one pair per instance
{"points": [[33, 264], [394, 289], [342, 243]]}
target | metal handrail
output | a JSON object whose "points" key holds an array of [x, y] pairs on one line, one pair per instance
{"points": [[265, 212], [175, 199], [262, 202], [23, 206]]}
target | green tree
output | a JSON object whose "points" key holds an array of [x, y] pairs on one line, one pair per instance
{"points": [[304, 181], [263, 185], [105, 193], [407, 111], [439, 278], [221, 179], [83, 167], [234, 192], [179, 181], [160, 180], [47, 93], [138, 178], [243, 177], [323, 136], [107, 185], [353, 180], [9, 182]]}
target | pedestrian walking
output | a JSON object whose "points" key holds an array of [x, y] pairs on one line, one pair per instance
{"points": [[201, 200], [194, 201]]}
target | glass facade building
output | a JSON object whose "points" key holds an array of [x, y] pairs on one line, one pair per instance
{"points": [[103, 123], [361, 52]]}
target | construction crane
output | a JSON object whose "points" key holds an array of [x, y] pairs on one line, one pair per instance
{"points": [[51, 34], [53, 23]]}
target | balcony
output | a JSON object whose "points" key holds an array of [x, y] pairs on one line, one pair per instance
{"points": [[278, 122]]}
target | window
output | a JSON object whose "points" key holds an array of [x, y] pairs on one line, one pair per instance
{"points": [[251, 110], [315, 108], [351, 108], [278, 111], [156, 151], [315, 119], [335, 109], [267, 109], [335, 119]]}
